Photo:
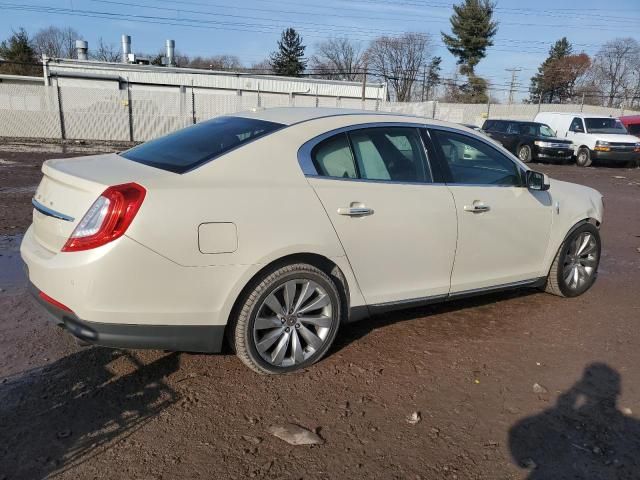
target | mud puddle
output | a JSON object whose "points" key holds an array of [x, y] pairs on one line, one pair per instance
{"points": [[12, 274]]}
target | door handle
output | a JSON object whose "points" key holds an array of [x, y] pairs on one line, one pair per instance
{"points": [[355, 211], [477, 208]]}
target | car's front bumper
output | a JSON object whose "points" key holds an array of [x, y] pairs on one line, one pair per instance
{"points": [[553, 153], [615, 156], [184, 338]]}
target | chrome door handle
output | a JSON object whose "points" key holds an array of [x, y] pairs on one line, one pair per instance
{"points": [[477, 208], [355, 211]]}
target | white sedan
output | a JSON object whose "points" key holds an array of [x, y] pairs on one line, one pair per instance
{"points": [[274, 227]]}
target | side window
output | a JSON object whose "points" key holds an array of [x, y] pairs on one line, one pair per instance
{"points": [[473, 162], [513, 128], [390, 153], [332, 157], [489, 125], [577, 125], [500, 127]]}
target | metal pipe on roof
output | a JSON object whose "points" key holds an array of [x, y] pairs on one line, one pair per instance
{"points": [[171, 46], [82, 48], [126, 48]]}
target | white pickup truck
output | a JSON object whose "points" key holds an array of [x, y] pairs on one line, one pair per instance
{"points": [[594, 137]]}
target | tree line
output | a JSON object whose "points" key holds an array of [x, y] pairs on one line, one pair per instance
{"points": [[405, 62]]}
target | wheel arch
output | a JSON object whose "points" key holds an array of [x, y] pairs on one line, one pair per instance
{"points": [[576, 225], [323, 263]]}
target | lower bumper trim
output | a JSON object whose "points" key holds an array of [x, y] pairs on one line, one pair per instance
{"points": [[181, 338]]}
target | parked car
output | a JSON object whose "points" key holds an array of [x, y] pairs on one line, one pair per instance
{"points": [[274, 227], [529, 140], [632, 124], [594, 137]]}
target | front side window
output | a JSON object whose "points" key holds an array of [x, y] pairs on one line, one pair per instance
{"points": [[577, 125], [605, 125], [190, 147], [473, 162], [513, 128]]}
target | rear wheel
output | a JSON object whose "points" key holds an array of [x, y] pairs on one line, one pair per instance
{"points": [[583, 157], [575, 267], [288, 321], [524, 153]]}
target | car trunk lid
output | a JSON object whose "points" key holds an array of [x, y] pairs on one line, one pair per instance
{"points": [[70, 186]]}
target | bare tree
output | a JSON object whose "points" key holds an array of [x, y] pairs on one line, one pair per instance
{"points": [[399, 60], [56, 42], [106, 52], [614, 66], [216, 62], [338, 59]]}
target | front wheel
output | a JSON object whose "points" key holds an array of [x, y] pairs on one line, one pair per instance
{"points": [[524, 153], [575, 267], [583, 157], [288, 321]]}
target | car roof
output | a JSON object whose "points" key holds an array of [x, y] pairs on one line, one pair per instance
{"points": [[579, 114], [293, 115]]}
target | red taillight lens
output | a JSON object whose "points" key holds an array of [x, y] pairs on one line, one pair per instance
{"points": [[54, 302], [108, 218]]}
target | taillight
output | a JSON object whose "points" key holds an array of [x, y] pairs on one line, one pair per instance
{"points": [[108, 218]]}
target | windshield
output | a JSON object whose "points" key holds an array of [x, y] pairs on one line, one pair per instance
{"points": [[604, 125], [190, 147], [545, 131]]}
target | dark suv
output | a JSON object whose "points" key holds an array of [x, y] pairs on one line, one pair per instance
{"points": [[529, 140]]}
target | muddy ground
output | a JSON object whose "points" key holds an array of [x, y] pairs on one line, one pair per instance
{"points": [[469, 367]]}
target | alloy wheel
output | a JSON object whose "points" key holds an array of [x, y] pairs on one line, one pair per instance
{"points": [[580, 261], [293, 322]]}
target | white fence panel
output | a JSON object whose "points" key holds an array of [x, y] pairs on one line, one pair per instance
{"points": [[29, 111]]}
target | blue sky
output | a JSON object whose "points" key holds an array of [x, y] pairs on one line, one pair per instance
{"points": [[250, 28]]}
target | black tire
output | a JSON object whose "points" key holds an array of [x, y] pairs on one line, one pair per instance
{"points": [[556, 280], [583, 157], [525, 154], [241, 332]]}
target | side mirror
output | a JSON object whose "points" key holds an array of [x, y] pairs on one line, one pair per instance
{"points": [[537, 181]]}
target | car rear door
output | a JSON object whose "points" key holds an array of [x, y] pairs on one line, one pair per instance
{"points": [[503, 227], [397, 226]]}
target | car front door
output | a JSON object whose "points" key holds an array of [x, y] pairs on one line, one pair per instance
{"points": [[397, 226], [503, 227], [576, 132]]}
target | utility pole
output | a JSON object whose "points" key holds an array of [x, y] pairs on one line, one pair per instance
{"points": [[424, 81], [364, 85], [512, 87]]}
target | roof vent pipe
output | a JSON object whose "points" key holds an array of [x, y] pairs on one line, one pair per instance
{"points": [[171, 46], [126, 48], [81, 49]]}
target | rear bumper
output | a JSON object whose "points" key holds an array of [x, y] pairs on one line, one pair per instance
{"points": [[615, 156], [185, 338]]}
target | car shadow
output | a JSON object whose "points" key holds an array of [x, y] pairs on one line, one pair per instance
{"points": [[583, 436], [56, 417], [352, 332]]}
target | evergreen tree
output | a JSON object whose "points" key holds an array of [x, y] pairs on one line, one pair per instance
{"points": [[541, 82], [19, 54], [289, 60], [473, 29], [432, 75]]}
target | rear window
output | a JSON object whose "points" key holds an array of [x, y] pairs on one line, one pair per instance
{"points": [[190, 147]]}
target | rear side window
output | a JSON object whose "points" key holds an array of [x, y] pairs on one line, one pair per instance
{"points": [[394, 154], [333, 158], [190, 147]]}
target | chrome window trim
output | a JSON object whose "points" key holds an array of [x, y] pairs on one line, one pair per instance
{"points": [[50, 212], [309, 170]]}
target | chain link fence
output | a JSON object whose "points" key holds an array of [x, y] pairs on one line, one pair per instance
{"points": [[142, 112]]}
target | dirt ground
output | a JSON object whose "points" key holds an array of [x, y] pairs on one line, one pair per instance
{"points": [[468, 367]]}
